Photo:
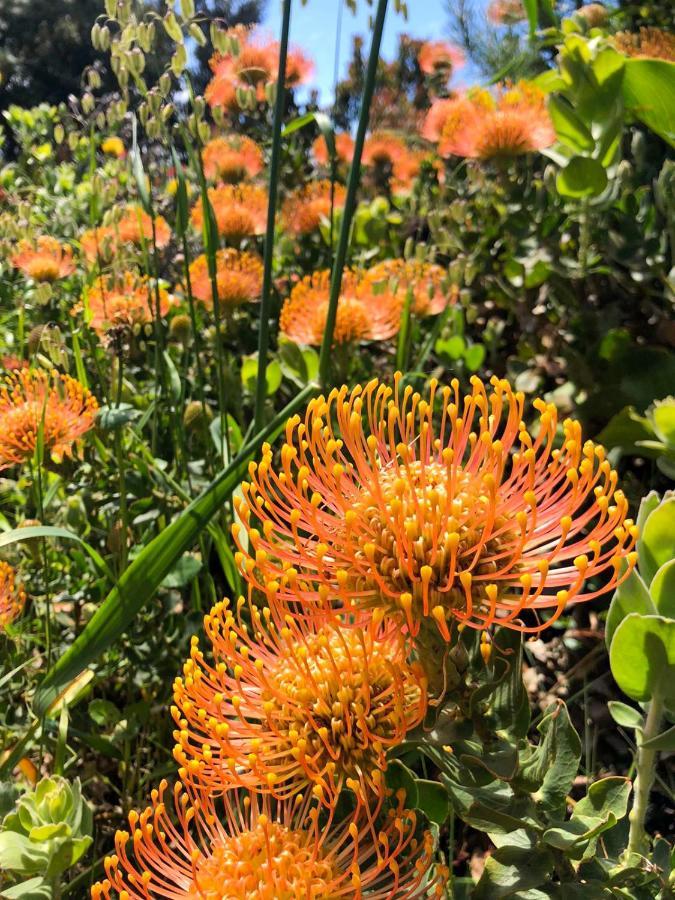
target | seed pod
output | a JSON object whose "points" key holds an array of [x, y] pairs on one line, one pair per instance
{"points": [[271, 92], [187, 8], [196, 416], [172, 27], [179, 61], [59, 133], [111, 8], [180, 329], [104, 39], [164, 84], [218, 38], [197, 34], [88, 102], [96, 36]]}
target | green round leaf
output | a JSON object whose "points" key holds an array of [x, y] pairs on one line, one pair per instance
{"points": [[642, 656], [656, 545], [662, 590], [631, 596], [581, 177]]}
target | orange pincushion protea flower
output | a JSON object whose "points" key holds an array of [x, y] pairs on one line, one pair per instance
{"points": [[427, 281], [304, 209], [649, 43], [232, 158], [127, 300], [435, 509], [98, 243], [12, 596], [239, 278], [253, 68], [482, 126], [33, 398], [240, 210], [262, 850], [388, 155], [135, 226], [362, 314], [281, 710], [44, 260], [439, 56], [344, 149]]}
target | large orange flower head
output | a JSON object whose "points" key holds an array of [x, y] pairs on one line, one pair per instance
{"points": [[33, 399], [258, 849], [45, 260], [12, 596], [344, 149], [428, 282], [232, 158], [98, 244], [363, 314], [239, 278], [135, 226], [389, 156], [647, 43], [240, 210], [481, 125], [127, 300], [439, 57], [251, 68], [439, 509], [293, 708], [305, 209]]}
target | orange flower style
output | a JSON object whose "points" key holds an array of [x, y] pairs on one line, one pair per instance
{"points": [[240, 210], [647, 43], [251, 69], [12, 596], [305, 209], [232, 158], [135, 226], [289, 709], [262, 850], [506, 12], [390, 158], [480, 125], [239, 278], [344, 149], [362, 314], [427, 281], [33, 399], [98, 244], [436, 509], [439, 57], [45, 260], [127, 300]]}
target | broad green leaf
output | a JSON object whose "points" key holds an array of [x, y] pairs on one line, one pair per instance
{"points": [[16, 535], [138, 584], [625, 715], [550, 769], [513, 869], [662, 742], [581, 177], [604, 797], [175, 388], [112, 417], [399, 777], [32, 889], [569, 128], [19, 854], [662, 590], [642, 656], [656, 544], [625, 429], [433, 800], [647, 506], [649, 92], [631, 596]]}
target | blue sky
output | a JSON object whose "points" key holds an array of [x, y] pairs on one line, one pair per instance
{"points": [[313, 27]]}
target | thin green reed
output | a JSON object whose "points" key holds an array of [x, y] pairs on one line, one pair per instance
{"points": [[350, 201], [265, 306]]}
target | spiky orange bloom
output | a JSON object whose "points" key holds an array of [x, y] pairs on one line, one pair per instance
{"points": [[126, 300], [295, 708], [304, 209], [239, 278], [12, 596], [98, 243], [31, 399], [262, 850], [649, 43], [240, 210], [232, 158], [427, 281], [389, 155], [362, 314], [506, 12], [344, 149], [114, 146], [440, 509], [44, 260], [252, 68], [135, 226], [439, 56], [480, 125]]}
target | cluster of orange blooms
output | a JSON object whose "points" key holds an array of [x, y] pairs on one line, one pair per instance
{"points": [[649, 42], [12, 596], [370, 305]]}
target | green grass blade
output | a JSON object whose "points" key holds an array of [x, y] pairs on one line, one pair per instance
{"points": [[17, 535]]}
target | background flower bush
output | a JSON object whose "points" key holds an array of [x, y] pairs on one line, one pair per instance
{"points": [[336, 452]]}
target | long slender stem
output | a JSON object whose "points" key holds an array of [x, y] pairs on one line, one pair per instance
{"points": [[266, 303], [350, 201], [644, 779]]}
